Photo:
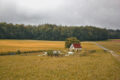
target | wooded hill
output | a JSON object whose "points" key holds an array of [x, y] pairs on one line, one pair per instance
{"points": [[55, 32]]}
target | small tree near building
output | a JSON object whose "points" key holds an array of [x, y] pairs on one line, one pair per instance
{"points": [[70, 41]]}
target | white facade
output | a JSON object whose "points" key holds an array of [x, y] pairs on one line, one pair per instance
{"points": [[56, 52], [73, 48], [70, 53]]}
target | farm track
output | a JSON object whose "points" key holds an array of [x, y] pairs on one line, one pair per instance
{"points": [[110, 51]]}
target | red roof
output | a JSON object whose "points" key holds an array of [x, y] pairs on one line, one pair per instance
{"points": [[77, 45]]}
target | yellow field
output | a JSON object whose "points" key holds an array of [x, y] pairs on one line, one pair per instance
{"points": [[112, 45], [89, 46], [29, 45], [35, 45], [99, 65]]}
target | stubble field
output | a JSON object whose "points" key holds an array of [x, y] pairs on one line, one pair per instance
{"points": [[29, 45], [113, 44], [96, 64]]}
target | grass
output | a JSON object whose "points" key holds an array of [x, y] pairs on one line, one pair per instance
{"points": [[99, 65], [94, 67], [112, 45]]}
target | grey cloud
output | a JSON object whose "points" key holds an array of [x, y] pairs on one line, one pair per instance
{"points": [[102, 13]]}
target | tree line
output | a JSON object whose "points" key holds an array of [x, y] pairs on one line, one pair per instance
{"points": [[55, 32]]}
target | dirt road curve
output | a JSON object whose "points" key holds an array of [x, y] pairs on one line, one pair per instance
{"points": [[110, 51]]}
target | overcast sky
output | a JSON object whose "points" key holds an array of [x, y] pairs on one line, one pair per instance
{"points": [[101, 13]]}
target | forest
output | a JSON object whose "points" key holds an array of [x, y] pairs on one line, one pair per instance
{"points": [[56, 32]]}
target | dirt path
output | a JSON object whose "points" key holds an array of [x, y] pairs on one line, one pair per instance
{"points": [[110, 51]]}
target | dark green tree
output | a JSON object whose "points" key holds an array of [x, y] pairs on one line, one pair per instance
{"points": [[56, 32], [70, 41]]}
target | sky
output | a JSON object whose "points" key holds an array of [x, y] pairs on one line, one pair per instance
{"points": [[101, 13]]}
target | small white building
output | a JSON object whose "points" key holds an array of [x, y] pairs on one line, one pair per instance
{"points": [[56, 52], [70, 53], [76, 47], [45, 53]]}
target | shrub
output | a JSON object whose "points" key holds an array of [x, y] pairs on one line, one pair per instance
{"points": [[50, 53], [18, 52], [56, 54], [105, 51]]}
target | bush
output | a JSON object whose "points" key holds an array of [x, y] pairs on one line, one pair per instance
{"points": [[18, 52], [105, 51], [56, 54], [50, 53]]}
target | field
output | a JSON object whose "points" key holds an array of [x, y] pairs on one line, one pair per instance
{"points": [[29, 45], [97, 65], [112, 45]]}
